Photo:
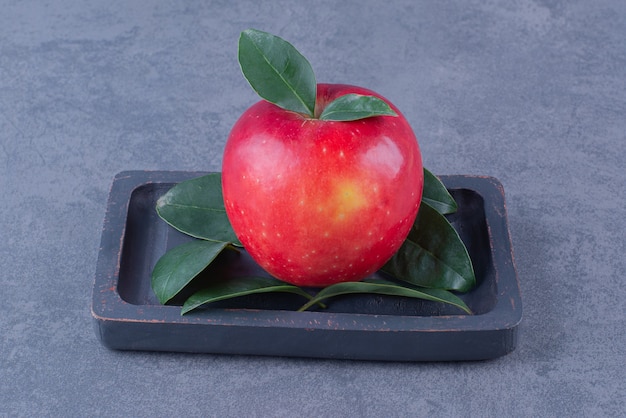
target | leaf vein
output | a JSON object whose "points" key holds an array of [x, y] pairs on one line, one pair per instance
{"points": [[287, 83]]}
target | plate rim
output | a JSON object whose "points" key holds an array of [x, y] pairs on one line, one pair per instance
{"points": [[108, 305]]}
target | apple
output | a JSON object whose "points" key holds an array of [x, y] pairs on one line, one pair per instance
{"points": [[317, 202]]}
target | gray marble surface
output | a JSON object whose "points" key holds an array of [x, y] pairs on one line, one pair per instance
{"points": [[531, 92]]}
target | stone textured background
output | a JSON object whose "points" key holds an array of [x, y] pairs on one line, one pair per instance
{"points": [[531, 92]]}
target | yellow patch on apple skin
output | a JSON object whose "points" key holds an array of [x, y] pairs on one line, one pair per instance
{"points": [[348, 197]]}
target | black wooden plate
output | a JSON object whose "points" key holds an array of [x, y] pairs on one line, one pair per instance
{"points": [[366, 327]]}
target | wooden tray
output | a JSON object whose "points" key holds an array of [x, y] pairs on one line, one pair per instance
{"points": [[128, 316]]}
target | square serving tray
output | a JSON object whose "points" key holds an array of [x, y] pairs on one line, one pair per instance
{"points": [[127, 315]]}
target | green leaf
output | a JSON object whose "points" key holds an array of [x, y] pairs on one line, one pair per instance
{"points": [[277, 71], [237, 287], [177, 267], [385, 287], [196, 207], [356, 106], [433, 255], [436, 195]]}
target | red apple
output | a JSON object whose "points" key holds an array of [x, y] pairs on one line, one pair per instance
{"points": [[318, 202]]}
